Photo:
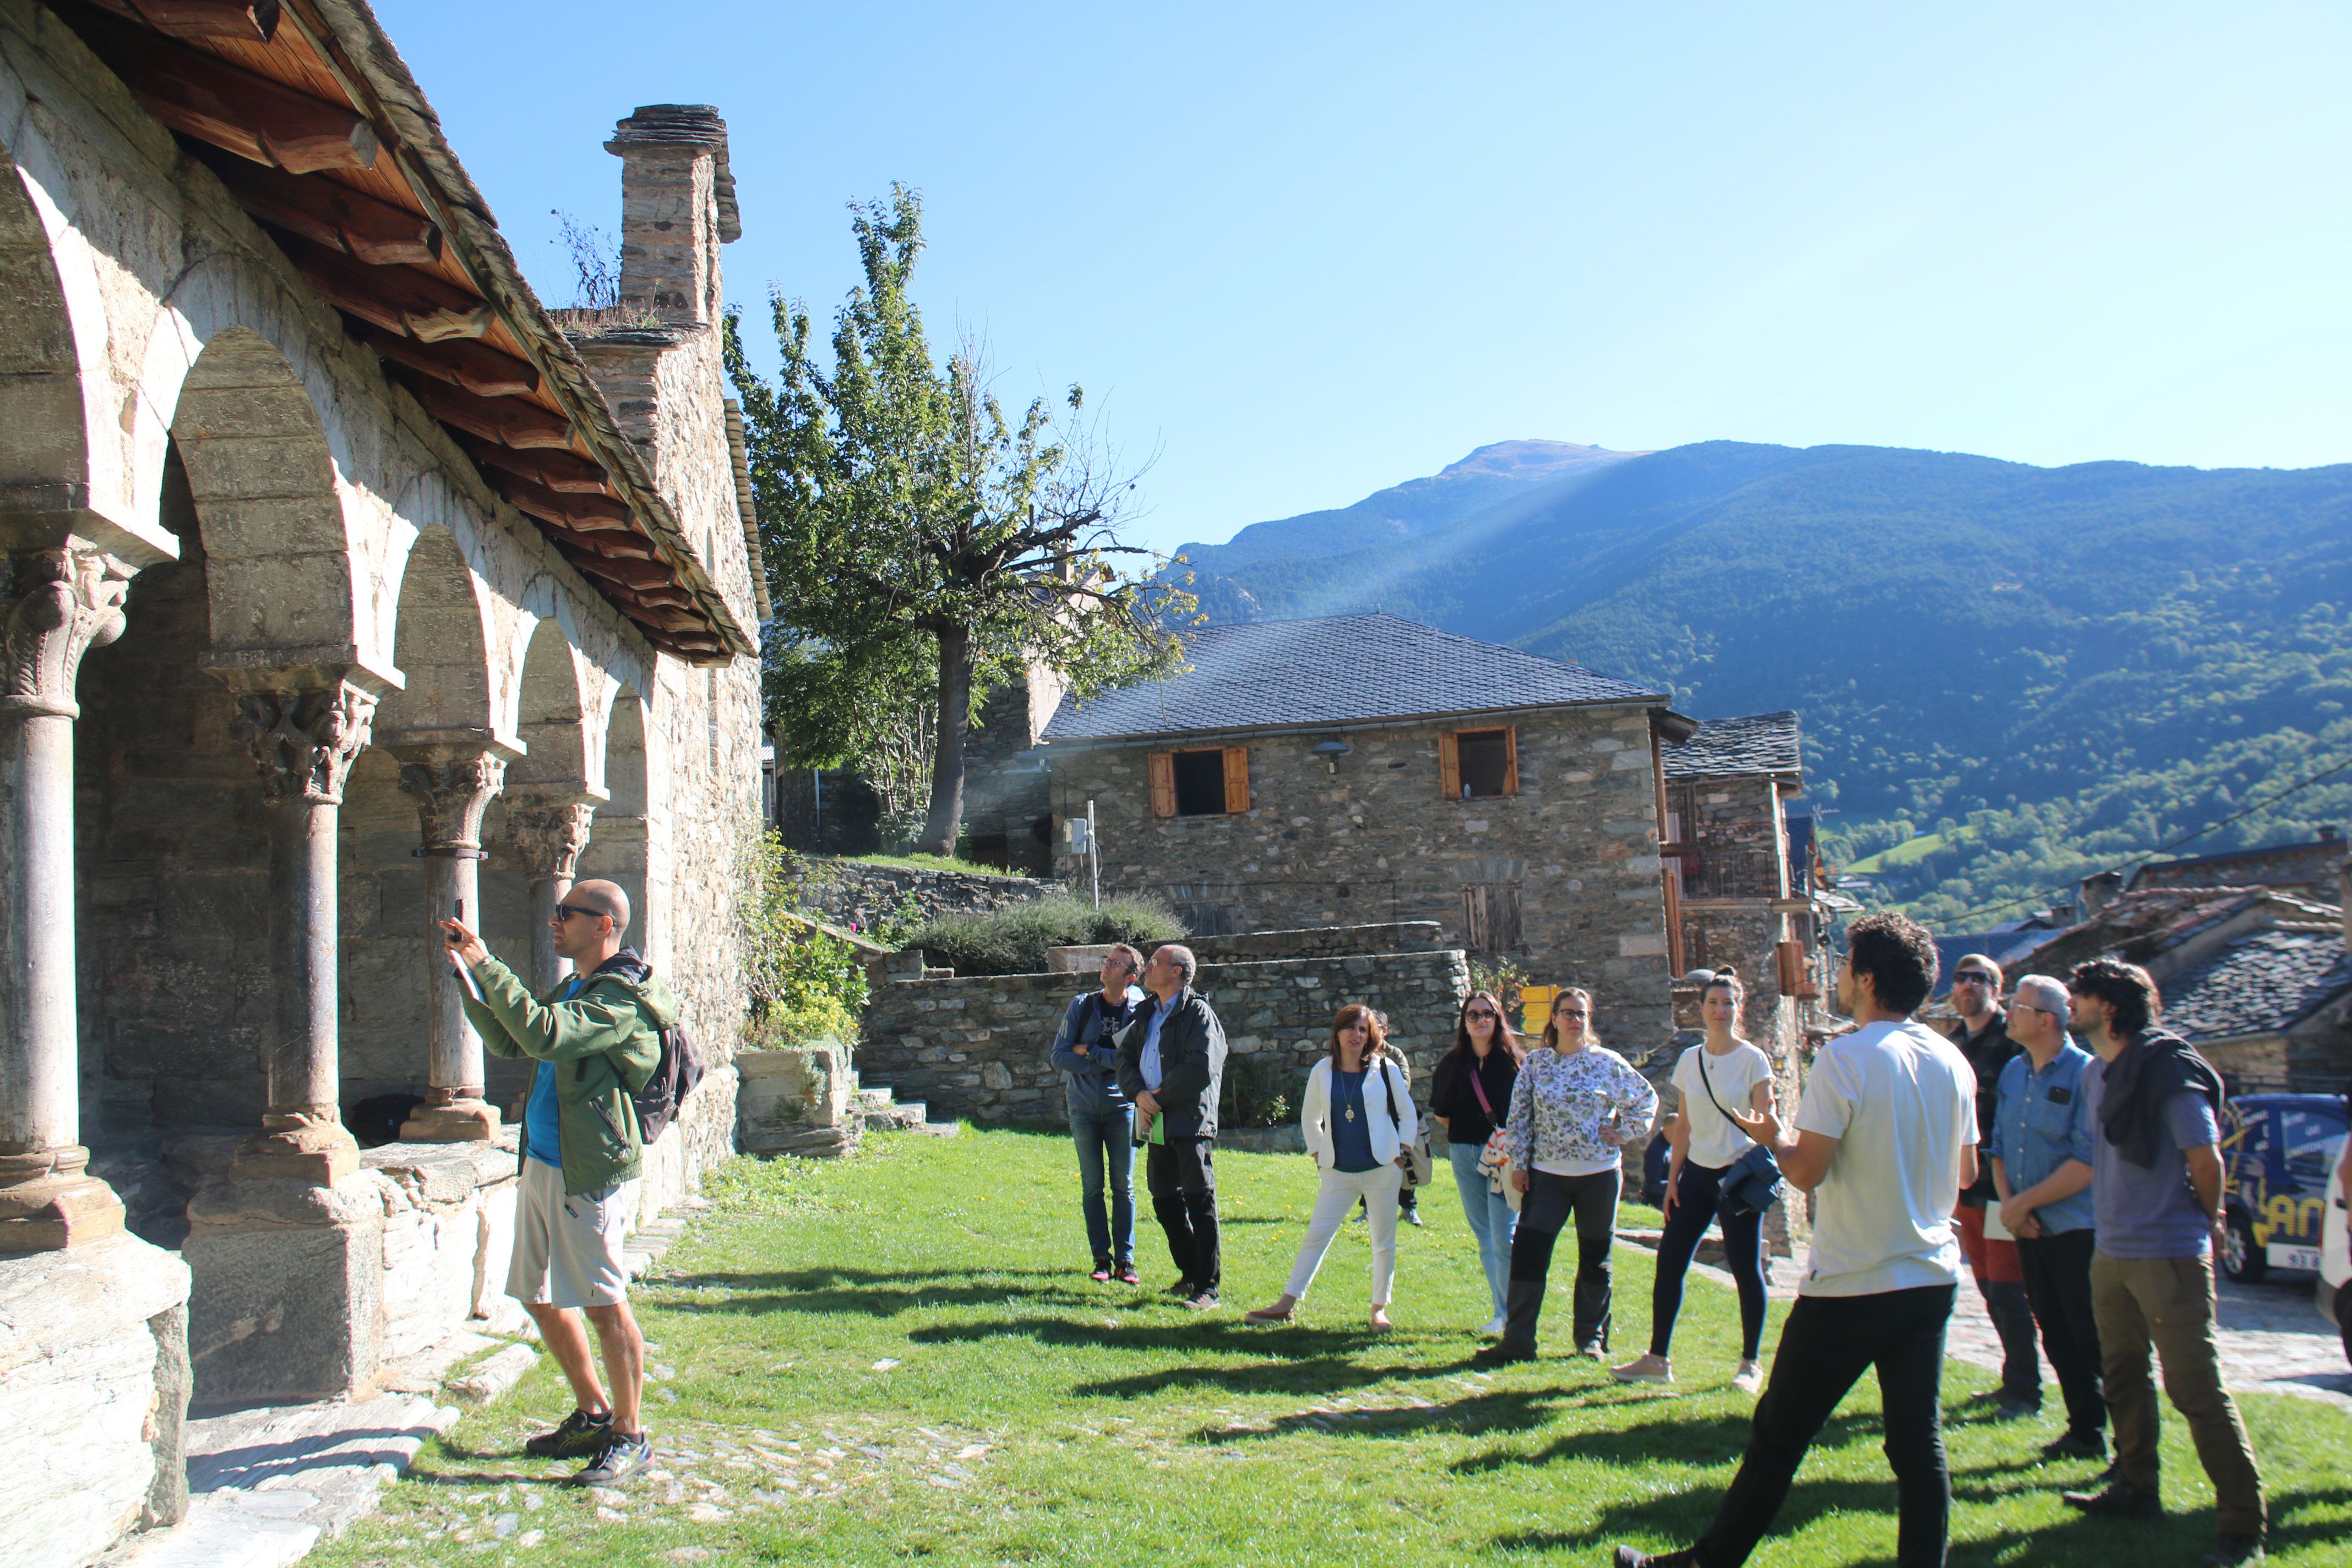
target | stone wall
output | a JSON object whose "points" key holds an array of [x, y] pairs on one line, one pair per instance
{"points": [[857, 895], [1319, 941], [94, 1389], [979, 1047], [1574, 854]]}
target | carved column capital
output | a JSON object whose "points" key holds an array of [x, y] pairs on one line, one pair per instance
{"points": [[452, 788], [304, 742], [549, 832], [61, 601]]}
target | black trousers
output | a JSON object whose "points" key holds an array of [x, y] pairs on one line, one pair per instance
{"points": [[1698, 1190], [1551, 1201], [1826, 1345], [2058, 1283], [1183, 1177]]}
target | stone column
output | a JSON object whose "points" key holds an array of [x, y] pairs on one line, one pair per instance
{"points": [[452, 786], [548, 830], [60, 603], [304, 740]]}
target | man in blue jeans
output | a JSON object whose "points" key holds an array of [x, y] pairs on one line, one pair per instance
{"points": [[1102, 1119]]}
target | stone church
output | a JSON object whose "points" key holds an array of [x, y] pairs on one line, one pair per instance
{"points": [[347, 586]]}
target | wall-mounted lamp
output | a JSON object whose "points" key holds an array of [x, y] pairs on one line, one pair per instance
{"points": [[1331, 751]]}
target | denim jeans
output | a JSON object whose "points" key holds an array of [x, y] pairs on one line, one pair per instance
{"points": [[1491, 1218], [1106, 1145]]}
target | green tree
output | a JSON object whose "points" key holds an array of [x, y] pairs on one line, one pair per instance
{"points": [[913, 534]]}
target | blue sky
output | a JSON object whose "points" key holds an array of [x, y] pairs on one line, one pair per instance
{"points": [[1297, 253]]}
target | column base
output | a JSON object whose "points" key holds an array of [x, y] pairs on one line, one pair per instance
{"points": [[288, 1302], [49, 1203], [306, 1149], [466, 1121]]}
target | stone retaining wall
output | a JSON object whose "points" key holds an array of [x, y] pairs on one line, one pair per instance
{"points": [[979, 1047], [854, 894]]}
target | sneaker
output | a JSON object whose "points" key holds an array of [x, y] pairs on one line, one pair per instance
{"points": [[1594, 1352], [580, 1435], [1627, 1557], [1128, 1276], [1205, 1301], [1101, 1275], [616, 1460], [2233, 1550], [1184, 1288], [1494, 1325], [1413, 1217], [1649, 1369], [2118, 1500], [1505, 1350], [1748, 1379], [2070, 1446]]}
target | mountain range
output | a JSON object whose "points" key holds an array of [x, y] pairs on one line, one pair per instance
{"points": [[2053, 668]]}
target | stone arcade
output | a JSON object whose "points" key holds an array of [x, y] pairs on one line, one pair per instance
{"points": [[345, 584]]}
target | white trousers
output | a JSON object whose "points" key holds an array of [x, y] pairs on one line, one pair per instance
{"points": [[1333, 1201]]}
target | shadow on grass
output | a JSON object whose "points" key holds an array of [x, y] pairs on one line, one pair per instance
{"points": [[885, 1293], [1681, 1438], [1506, 1409]]}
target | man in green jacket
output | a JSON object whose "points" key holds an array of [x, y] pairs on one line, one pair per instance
{"points": [[596, 1038]]}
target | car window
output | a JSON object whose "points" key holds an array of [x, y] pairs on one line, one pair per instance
{"points": [[2309, 1138]]}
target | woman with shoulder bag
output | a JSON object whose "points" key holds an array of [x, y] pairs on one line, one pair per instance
{"points": [[1574, 1108], [1724, 1075], [1358, 1117], [1468, 1096]]}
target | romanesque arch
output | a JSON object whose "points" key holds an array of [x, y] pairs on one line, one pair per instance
{"points": [[41, 374]]}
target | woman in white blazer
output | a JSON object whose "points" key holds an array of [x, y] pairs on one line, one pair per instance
{"points": [[1358, 1117]]}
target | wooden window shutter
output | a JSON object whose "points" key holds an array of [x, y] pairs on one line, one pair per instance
{"points": [[1449, 767], [1511, 760], [1237, 778], [1163, 766]]}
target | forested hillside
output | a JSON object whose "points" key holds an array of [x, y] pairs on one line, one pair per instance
{"points": [[2055, 668]]}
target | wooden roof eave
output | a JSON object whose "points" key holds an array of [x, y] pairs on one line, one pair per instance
{"points": [[347, 35]]}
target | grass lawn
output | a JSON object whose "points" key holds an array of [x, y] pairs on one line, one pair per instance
{"points": [[933, 863], [900, 1357]]}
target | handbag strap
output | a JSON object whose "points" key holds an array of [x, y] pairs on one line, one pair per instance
{"points": [[1480, 1089], [1709, 1082]]}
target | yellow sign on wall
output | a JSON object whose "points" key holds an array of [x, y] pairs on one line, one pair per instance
{"points": [[1534, 1007]]}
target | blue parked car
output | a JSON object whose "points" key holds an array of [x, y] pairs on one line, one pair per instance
{"points": [[2278, 1156]]}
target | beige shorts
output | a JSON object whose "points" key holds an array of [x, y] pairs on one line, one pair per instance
{"points": [[567, 1249]]}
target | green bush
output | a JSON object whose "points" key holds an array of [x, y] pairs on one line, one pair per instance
{"points": [[806, 984], [1013, 941], [1258, 1092]]}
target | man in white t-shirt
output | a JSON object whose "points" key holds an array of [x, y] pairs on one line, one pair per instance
{"points": [[1886, 1137]]}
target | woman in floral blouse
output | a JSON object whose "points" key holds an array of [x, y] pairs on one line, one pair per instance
{"points": [[1573, 1109]]}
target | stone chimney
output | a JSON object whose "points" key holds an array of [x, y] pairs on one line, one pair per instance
{"points": [[2100, 890], [678, 207]]}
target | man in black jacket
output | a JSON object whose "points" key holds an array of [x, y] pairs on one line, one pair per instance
{"points": [[1171, 1064]]}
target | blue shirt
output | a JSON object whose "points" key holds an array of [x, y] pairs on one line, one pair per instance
{"points": [[1147, 1060], [2043, 1122], [543, 1122], [1351, 1130], [2151, 1213]]}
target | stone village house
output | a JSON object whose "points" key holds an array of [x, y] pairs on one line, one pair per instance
{"points": [[1365, 769], [346, 583]]}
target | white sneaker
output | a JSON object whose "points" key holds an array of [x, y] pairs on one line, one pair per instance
{"points": [[1749, 1378], [1649, 1369], [1495, 1325]]}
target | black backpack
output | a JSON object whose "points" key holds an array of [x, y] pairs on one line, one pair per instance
{"points": [[674, 1078]]}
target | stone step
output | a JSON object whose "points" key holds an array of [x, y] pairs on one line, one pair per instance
{"points": [[809, 1142], [897, 1117], [875, 1097]]}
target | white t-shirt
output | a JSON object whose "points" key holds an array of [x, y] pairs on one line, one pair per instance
{"points": [[1902, 1102], [1716, 1141]]}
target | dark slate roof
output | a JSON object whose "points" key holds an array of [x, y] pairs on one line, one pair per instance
{"points": [[2268, 980], [1732, 748], [1334, 670]]}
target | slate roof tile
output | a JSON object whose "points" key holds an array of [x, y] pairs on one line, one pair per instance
{"points": [[1333, 669], [2261, 982], [1733, 748]]}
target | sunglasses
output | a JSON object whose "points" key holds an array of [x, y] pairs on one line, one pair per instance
{"points": [[1481, 1013], [565, 911], [1971, 977]]}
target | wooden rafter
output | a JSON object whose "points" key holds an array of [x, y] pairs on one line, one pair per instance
{"points": [[561, 472], [508, 421], [328, 213], [476, 367], [251, 21], [236, 110]]}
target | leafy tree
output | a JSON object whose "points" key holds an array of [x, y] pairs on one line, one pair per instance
{"points": [[913, 535]]}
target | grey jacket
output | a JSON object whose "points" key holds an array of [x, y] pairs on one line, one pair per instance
{"points": [[1091, 1080], [1192, 1062]]}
